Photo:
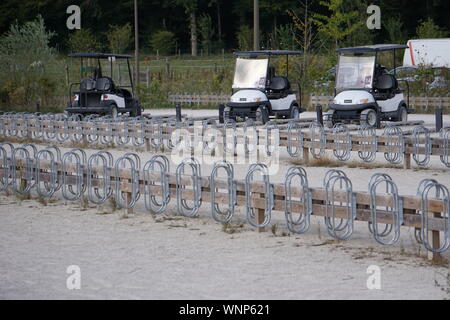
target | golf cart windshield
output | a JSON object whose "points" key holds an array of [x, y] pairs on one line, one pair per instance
{"points": [[250, 73], [355, 72], [117, 70]]}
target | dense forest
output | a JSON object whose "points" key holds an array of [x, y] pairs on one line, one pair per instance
{"points": [[34, 41], [224, 24]]}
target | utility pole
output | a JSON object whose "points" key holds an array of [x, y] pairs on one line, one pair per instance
{"points": [[255, 25], [136, 44]]}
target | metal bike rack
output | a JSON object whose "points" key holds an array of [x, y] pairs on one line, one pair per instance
{"points": [[151, 202], [92, 134], [182, 205], [74, 158], [229, 124], [421, 141], [342, 142], [107, 135], [420, 188], [29, 179], [395, 211], [368, 143], [395, 144], [445, 135], [249, 123], [295, 145], [156, 134], [208, 126], [344, 229], [268, 191], [77, 128], [302, 223], [315, 129], [139, 126], [269, 127], [122, 135], [5, 166], [46, 188], [440, 193], [99, 192], [38, 133], [172, 127], [133, 162], [218, 214]]}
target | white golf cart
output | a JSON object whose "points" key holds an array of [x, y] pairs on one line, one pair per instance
{"points": [[97, 92], [364, 89], [258, 92]]}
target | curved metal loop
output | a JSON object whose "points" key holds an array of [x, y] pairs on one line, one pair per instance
{"points": [[333, 179], [342, 142], [151, 202], [92, 130], [209, 130], [63, 136], [247, 136], [50, 127], [218, 214], [183, 207], [156, 134], [295, 145], [99, 177], [317, 137], [73, 184], [172, 128], [139, 132], [229, 124], [76, 127], [107, 134], [28, 180], [421, 145], [47, 182], [395, 210], [5, 168], [38, 131], [269, 127], [368, 143], [395, 145], [122, 132], [304, 200], [444, 134], [440, 193], [133, 163], [268, 192]]}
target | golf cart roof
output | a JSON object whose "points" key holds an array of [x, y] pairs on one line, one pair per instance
{"points": [[99, 55], [267, 53], [373, 48]]}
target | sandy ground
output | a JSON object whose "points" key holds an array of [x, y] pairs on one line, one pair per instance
{"points": [[170, 257]]}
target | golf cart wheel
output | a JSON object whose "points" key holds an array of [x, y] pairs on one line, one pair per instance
{"points": [[368, 117], [226, 114], [137, 112], [402, 114], [113, 112], [262, 114], [295, 113]]}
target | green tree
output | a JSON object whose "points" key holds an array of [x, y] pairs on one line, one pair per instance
{"points": [[206, 32], [428, 29], [119, 38], [245, 38], [191, 7], [338, 24], [163, 41], [394, 28], [83, 41], [25, 56]]}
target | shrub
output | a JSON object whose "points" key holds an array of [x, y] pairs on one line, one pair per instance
{"points": [[119, 38], [83, 41], [163, 41]]}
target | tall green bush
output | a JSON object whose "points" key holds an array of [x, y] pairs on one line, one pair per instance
{"points": [[163, 41], [119, 38]]}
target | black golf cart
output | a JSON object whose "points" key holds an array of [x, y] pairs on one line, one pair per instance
{"points": [[98, 93]]}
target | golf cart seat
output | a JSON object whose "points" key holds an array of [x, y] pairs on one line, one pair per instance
{"points": [[278, 87], [385, 87], [104, 84], [87, 84]]}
